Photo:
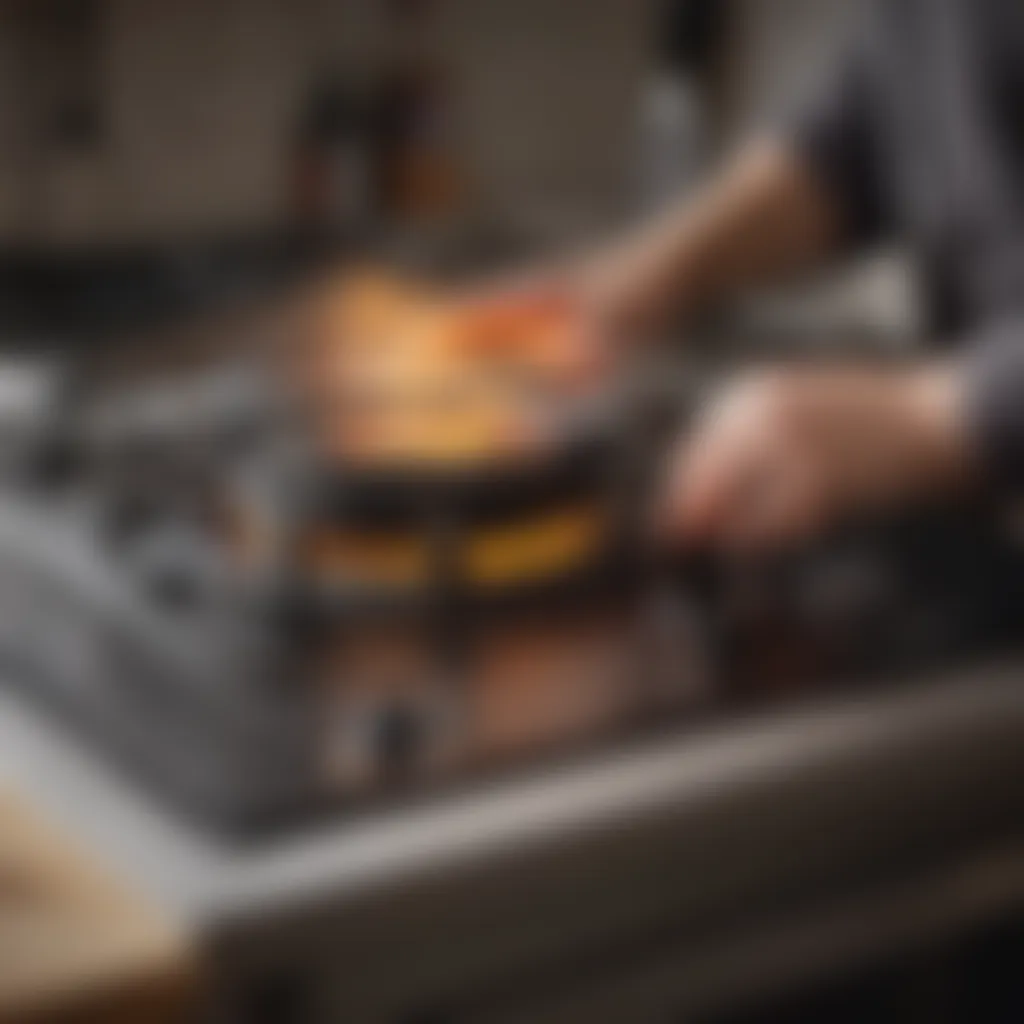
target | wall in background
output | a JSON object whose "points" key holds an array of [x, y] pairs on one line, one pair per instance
{"points": [[10, 150], [200, 97], [197, 101]]}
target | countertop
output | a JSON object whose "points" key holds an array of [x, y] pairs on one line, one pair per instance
{"points": [[721, 824], [75, 944]]}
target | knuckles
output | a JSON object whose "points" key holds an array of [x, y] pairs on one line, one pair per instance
{"points": [[763, 402]]}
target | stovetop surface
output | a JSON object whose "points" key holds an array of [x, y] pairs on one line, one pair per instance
{"points": [[190, 711], [130, 625]]}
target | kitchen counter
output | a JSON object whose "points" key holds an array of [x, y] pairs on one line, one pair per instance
{"points": [[766, 826], [74, 944]]}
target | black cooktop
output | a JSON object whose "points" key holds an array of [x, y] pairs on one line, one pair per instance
{"points": [[125, 620]]}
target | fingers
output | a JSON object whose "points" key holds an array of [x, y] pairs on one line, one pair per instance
{"points": [[750, 478], [781, 455], [742, 498], [544, 317], [787, 507], [707, 480]]}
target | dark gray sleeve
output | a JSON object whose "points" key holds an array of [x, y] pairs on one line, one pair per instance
{"points": [[995, 401], [834, 132]]}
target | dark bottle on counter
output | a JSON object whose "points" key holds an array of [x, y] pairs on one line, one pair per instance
{"points": [[415, 169], [331, 176]]}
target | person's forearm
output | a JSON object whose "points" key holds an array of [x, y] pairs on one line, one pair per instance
{"points": [[762, 218]]}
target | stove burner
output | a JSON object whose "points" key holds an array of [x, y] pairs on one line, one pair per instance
{"points": [[152, 593]]}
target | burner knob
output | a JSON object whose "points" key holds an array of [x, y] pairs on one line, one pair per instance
{"points": [[388, 739], [175, 567]]}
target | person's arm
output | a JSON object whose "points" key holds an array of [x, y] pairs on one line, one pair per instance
{"points": [[766, 216], [787, 452], [815, 185]]}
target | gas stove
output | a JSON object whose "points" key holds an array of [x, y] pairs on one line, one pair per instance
{"points": [[253, 704]]}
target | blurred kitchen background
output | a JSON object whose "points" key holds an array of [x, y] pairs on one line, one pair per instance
{"points": [[169, 160], [158, 155]]}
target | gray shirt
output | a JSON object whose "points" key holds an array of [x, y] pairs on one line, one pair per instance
{"points": [[919, 131]]}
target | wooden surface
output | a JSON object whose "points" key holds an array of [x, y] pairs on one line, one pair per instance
{"points": [[74, 945]]}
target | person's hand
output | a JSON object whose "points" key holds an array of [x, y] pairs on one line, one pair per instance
{"points": [[610, 287], [553, 316], [783, 454], [604, 296]]}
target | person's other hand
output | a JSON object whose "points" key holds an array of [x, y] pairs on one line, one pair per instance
{"points": [[782, 454]]}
